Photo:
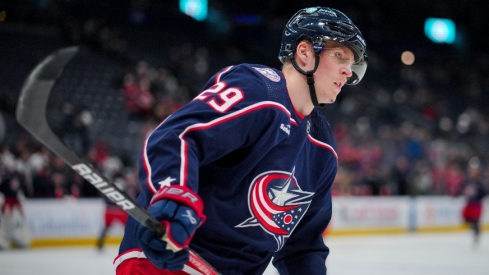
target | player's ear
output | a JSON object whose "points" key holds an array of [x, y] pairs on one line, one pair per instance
{"points": [[304, 54]]}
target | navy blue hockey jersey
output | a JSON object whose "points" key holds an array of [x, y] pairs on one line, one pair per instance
{"points": [[263, 171]]}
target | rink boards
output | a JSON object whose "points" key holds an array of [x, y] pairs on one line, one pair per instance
{"points": [[381, 215], [59, 222]]}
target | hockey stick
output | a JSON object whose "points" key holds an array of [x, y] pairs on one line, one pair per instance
{"points": [[31, 114]]}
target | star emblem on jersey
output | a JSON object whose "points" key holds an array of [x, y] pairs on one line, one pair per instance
{"points": [[166, 182], [277, 204]]}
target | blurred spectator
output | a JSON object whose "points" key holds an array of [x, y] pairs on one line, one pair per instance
{"points": [[400, 174], [412, 133], [75, 128], [138, 97], [453, 178], [43, 187]]}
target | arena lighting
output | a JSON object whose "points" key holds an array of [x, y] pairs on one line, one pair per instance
{"points": [[407, 58], [197, 9], [440, 30]]}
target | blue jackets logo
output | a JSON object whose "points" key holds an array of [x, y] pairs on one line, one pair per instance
{"points": [[276, 204]]}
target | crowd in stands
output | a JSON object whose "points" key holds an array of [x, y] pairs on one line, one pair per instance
{"points": [[374, 158], [36, 172], [419, 136]]}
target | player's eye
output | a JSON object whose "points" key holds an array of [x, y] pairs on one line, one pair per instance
{"points": [[340, 58]]}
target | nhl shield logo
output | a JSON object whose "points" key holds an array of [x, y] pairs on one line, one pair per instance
{"points": [[276, 204], [268, 73]]}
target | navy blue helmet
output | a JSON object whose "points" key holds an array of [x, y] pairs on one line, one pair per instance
{"points": [[321, 24]]}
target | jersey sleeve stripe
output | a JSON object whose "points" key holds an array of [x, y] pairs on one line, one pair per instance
{"points": [[146, 164], [139, 254], [218, 77], [147, 167], [324, 145], [133, 253], [201, 126]]}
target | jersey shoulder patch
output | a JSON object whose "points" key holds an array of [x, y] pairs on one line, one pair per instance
{"points": [[268, 73]]}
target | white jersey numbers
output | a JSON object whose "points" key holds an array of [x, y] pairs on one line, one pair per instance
{"points": [[225, 99]]}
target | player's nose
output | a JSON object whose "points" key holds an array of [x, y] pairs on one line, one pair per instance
{"points": [[347, 71]]}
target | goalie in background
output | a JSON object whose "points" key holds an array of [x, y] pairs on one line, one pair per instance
{"points": [[13, 224]]}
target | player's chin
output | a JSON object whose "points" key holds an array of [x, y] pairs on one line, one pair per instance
{"points": [[330, 99], [330, 96]]}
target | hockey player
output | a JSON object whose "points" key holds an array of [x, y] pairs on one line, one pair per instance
{"points": [[243, 172], [113, 213], [474, 191], [13, 223], [126, 181]]}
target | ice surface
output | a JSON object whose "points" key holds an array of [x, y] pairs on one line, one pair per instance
{"points": [[419, 254]]}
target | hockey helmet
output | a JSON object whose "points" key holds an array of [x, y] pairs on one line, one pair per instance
{"points": [[321, 24]]}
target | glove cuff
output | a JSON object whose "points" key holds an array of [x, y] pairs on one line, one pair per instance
{"points": [[182, 195]]}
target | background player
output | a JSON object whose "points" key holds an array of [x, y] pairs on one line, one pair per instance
{"points": [[14, 228], [253, 158], [474, 192], [127, 182]]}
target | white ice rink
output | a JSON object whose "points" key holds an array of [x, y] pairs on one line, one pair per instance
{"points": [[416, 254]]}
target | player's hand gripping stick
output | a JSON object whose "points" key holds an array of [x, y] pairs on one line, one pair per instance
{"points": [[178, 209]]}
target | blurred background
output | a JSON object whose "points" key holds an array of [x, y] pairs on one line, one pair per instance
{"points": [[411, 137]]}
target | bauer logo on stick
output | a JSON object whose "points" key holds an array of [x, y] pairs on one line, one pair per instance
{"points": [[102, 186]]}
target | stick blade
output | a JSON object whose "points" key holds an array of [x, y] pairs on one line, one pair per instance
{"points": [[38, 85]]}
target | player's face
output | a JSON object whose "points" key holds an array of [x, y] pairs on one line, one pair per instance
{"points": [[333, 70]]}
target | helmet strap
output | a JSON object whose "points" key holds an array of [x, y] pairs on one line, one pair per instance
{"points": [[310, 79]]}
